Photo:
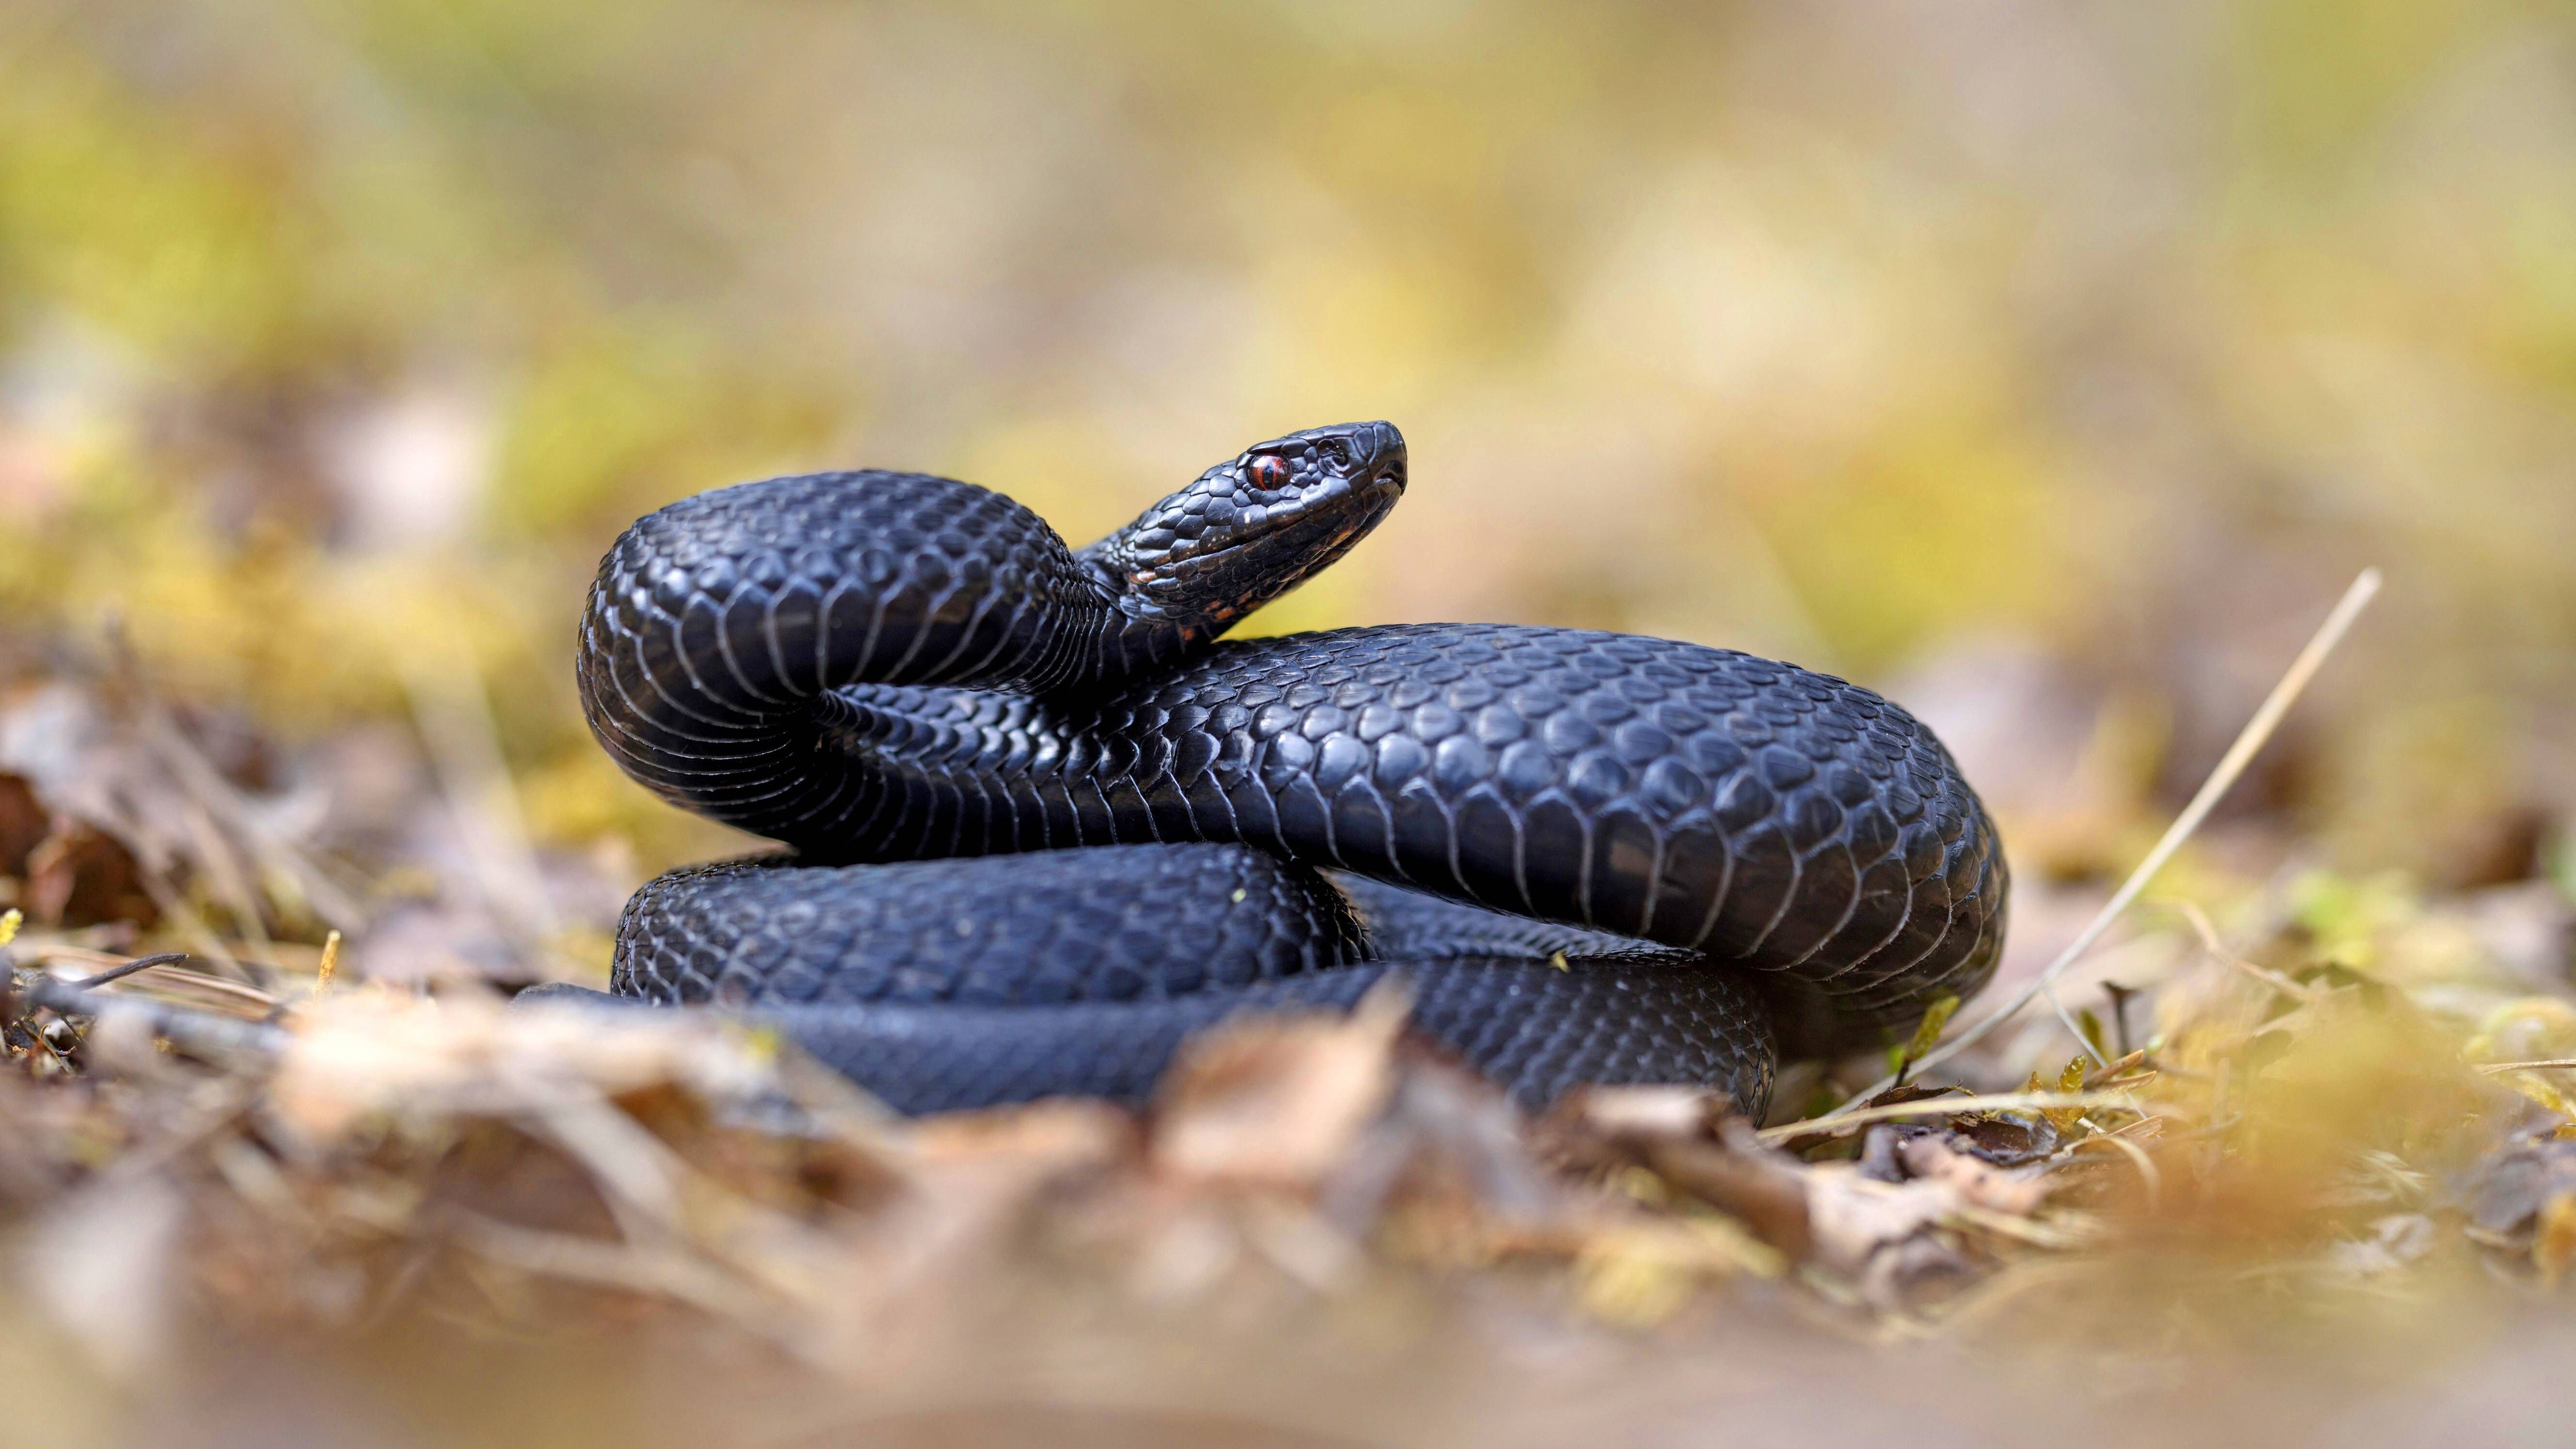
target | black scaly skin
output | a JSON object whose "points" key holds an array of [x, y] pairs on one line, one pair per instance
{"points": [[1728, 854]]}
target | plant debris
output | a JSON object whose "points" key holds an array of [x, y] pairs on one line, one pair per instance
{"points": [[197, 1136]]}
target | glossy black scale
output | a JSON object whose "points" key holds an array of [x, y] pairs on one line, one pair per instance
{"points": [[1730, 853]]}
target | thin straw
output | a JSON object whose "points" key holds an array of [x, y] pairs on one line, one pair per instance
{"points": [[2249, 741]]}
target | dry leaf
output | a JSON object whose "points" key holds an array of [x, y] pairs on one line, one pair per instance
{"points": [[1278, 1101], [1851, 1217], [355, 1053], [78, 875], [1977, 1183], [1684, 1137]]}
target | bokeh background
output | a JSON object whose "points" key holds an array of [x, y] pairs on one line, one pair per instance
{"points": [[2051, 366]]}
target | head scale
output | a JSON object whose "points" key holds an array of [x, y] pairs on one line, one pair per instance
{"points": [[1254, 527]]}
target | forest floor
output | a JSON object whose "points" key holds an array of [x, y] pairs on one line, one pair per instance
{"points": [[2309, 1175]]}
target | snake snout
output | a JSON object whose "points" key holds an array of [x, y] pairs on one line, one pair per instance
{"points": [[1378, 450], [1378, 456], [1361, 456]]}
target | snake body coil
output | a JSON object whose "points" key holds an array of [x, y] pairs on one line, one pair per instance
{"points": [[1591, 857]]}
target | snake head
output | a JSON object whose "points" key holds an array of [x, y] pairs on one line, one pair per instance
{"points": [[1254, 527]]}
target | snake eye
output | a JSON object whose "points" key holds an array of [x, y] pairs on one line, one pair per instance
{"points": [[1270, 471]]}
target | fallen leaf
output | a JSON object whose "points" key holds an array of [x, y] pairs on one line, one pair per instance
{"points": [[24, 823], [1276, 1102], [1976, 1182], [1851, 1217], [79, 875], [1681, 1135], [355, 1053]]}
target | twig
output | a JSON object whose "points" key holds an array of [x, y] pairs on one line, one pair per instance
{"points": [[2553, 1063], [174, 975], [138, 964], [2120, 996], [200, 1033], [2251, 739]]}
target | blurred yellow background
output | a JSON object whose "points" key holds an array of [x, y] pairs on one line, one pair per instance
{"points": [[2013, 357]]}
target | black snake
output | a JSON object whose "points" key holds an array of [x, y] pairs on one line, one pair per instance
{"points": [[1590, 857]]}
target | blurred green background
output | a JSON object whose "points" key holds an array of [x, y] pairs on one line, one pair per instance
{"points": [[2052, 366]]}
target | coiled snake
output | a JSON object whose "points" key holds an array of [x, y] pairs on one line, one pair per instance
{"points": [[1045, 825]]}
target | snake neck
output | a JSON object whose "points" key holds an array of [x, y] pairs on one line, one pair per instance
{"points": [[1113, 636]]}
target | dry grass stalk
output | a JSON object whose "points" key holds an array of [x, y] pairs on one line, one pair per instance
{"points": [[2223, 777]]}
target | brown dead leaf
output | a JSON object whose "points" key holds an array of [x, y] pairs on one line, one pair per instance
{"points": [[2006, 1139], [1738, 1175], [24, 823], [1977, 1183], [1883, 1237], [1277, 1102], [354, 1053], [78, 875], [1050, 1136], [1684, 1137], [1852, 1218], [1449, 1155]]}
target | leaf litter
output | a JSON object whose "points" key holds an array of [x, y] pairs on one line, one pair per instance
{"points": [[223, 1125]]}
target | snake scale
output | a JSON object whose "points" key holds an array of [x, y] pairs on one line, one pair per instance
{"points": [[1044, 824]]}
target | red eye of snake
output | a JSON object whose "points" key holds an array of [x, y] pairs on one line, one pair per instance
{"points": [[1270, 471]]}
